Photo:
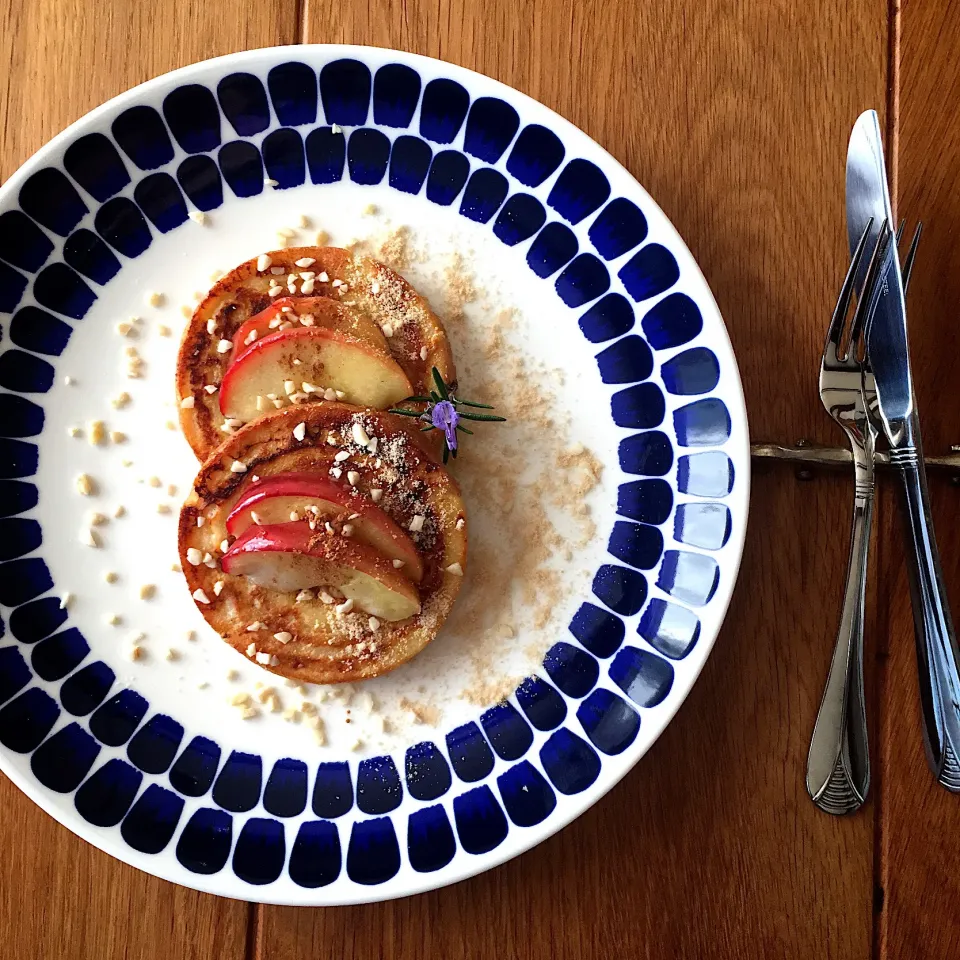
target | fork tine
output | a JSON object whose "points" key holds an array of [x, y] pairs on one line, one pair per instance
{"points": [[884, 240], [911, 256], [903, 223], [872, 290], [837, 321]]}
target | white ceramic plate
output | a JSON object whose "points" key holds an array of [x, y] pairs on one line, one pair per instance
{"points": [[610, 324]]}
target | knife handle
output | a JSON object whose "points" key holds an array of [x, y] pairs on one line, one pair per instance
{"points": [[937, 653]]}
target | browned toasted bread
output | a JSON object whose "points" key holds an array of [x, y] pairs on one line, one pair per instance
{"points": [[326, 646], [377, 301]]}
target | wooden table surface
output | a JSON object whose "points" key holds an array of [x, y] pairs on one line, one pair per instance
{"points": [[734, 114]]}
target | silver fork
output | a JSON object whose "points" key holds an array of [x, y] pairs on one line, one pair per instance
{"points": [[838, 764]]}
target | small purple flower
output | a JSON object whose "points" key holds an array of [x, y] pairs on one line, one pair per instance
{"points": [[444, 417]]}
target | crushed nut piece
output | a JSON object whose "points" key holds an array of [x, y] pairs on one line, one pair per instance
{"points": [[194, 556], [111, 577], [238, 467], [200, 596], [148, 591], [416, 524], [96, 432], [198, 216], [455, 569], [375, 495], [188, 403]]}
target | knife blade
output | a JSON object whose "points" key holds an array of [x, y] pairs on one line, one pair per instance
{"points": [[867, 194]]}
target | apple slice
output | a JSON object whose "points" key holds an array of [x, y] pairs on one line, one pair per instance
{"points": [[325, 313], [327, 358], [291, 557], [273, 499]]}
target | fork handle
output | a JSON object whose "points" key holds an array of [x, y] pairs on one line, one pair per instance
{"points": [[838, 764], [937, 654]]}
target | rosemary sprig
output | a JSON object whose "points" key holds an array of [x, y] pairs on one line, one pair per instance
{"points": [[443, 413]]}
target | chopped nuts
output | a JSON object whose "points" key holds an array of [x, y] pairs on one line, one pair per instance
{"points": [[117, 436], [90, 538], [341, 456], [262, 658], [188, 403], [307, 286], [120, 400], [74, 431], [224, 346], [455, 569], [65, 600], [424, 353], [218, 588], [360, 436], [264, 261], [416, 524], [163, 508], [97, 519], [374, 624], [299, 431], [248, 713], [155, 482], [97, 432], [126, 329], [176, 568], [198, 216], [111, 577], [135, 652], [201, 521], [270, 182], [346, 606], [460, 523], [171, 654], [172, 489], [163, 330], [397, 564], [155, 299], [238, 467], [305, 262], [347, 529], [375, 495], [200, 596], [210, 388], [256, 625], [120, 510], [194, 556], [114, 619], [148, 591], [283, 637]]}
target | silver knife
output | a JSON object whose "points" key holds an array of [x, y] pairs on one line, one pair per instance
{"points": [[887, 351]]}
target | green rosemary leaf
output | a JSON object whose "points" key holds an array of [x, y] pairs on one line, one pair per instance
{"points": [[407, 413], [427, 429], [417, 400], [464, 430], [467, 403], [446, 453], [482, 416], [441, 386]]}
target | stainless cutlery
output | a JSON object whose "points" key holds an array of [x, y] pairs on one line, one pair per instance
{"points": [[838, 763], [866, 386]]}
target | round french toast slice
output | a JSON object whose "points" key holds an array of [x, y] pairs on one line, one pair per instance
{"points": [[362, 571], [295, 325]]}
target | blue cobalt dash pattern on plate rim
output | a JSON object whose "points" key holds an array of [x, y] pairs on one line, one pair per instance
{"points": [[101, 207]]}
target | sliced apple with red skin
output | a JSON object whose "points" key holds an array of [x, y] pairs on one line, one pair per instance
{"points": [[273, 499], [325, 312], [290, 557], [327, 358]]}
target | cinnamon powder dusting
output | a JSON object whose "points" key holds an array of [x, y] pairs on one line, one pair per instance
{"points": [[526, 487]]}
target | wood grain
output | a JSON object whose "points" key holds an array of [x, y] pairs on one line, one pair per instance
{"points": [[737, 126], [920, 837], [60, 897]]}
